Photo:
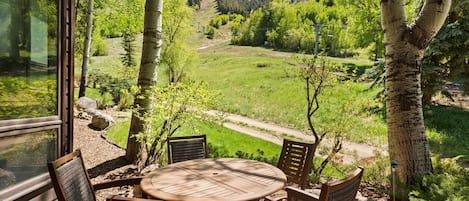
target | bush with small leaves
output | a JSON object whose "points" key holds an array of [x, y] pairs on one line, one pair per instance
{"points": [[100, 48], [105, 101], [126, 100], [108, 84], [449, 181], [219, 151], [210, 32]]}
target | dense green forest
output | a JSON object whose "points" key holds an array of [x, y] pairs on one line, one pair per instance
{"points": [[340, 28], [243, 7]]}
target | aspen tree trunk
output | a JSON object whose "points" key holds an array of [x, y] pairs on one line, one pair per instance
{"points": [[16, 24], [86, 49], [405, 46], [152, 42]]}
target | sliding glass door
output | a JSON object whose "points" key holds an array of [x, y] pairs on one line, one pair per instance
{"points": [[35, 86]]}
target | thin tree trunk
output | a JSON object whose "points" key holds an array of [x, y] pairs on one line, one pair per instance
{"points": [[16, 24], [152, 42], [405, 47], [86, 49]]}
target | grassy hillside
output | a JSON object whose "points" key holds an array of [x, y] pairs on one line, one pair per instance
{"points": [[266, 86]]}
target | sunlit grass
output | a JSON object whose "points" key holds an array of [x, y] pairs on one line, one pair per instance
{"points": [[269, 89], [447, 131], [226, 140], [118, 133], [90, 93]]}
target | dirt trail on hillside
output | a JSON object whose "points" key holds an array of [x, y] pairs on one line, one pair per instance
{"points": [[351, 151], [207, 11]]}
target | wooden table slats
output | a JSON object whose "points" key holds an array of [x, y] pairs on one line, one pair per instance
{"points": [[214, 179]]}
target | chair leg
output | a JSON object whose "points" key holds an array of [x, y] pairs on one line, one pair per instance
{"points": [[137, 191]]}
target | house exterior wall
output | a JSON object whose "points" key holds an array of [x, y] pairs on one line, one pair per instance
{"points": [[36, 94]]}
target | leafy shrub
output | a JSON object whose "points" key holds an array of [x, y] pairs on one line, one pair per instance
{"points": [[210, 32], [174, 106], [449, 181], [377, 173], [217, 151], [263, 64], [216, 22], [105, 101], [243, 7], [195, 3], [100, 48], [126, 100], [108, 84]]}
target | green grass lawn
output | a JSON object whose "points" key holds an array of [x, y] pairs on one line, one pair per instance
{"points": [[269, 89], [224, 141], [90, 93], [448, 131]]}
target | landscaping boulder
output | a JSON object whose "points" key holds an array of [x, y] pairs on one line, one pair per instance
{"points": [[92, 111], [101, 121], [85, 103], [7, 178]]}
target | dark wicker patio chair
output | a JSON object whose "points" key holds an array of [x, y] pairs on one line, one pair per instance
{"points": [[341, 190], [72, 183], [295, 161], [187, 148]]}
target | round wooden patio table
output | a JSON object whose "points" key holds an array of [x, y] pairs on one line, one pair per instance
{"points": [[214, 179]]}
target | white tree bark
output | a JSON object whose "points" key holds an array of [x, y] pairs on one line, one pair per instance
{"points": [[152, 42], [405, 46], [86, 48]]}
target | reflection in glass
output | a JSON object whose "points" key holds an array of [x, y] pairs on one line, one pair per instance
{"points": [[25, 156], [28, 58]]}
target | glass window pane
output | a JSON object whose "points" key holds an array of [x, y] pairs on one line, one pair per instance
{"points": [[25, 156], [28, 58]]}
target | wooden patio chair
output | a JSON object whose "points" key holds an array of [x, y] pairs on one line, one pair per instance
{"points": [[72, 183], [295, 161], [342, 190], [187, 148]]}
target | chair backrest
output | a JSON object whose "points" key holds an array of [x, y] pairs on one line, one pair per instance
{"points": [[295, 161], [70, 179], [187, 148], [342, 190]]}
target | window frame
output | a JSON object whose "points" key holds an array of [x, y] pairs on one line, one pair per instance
{"points": [[62, 121]]}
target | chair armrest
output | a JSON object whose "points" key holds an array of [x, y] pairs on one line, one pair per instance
{"points": [[120, 198], [299, 194], [118, 182], [277, 196]]}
